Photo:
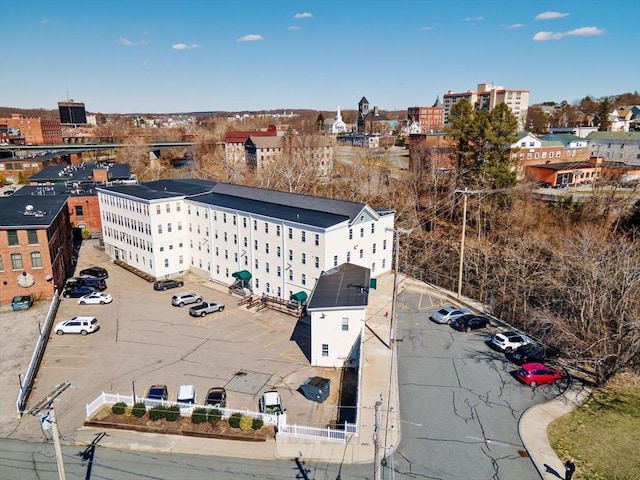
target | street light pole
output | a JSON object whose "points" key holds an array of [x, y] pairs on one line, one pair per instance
{"points": [[464, 228]]}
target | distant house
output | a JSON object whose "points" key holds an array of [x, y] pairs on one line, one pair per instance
{"points": [[621, 147], [234, 141], [337, 307], [315, 149]]}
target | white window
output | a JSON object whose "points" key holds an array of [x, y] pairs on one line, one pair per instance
{"points": [[345, 324], [325, 349]]}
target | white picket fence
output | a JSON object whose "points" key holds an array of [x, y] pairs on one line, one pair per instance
{"points": [[280, 421]]}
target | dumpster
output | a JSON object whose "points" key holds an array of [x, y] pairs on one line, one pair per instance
{"points": [[22, 302], [316, 389]]}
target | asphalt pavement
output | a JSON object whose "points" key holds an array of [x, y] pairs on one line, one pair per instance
{"points": [[379, 388]]}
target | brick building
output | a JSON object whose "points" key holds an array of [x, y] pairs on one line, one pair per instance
{"points": [[36, 247], [430, 119], [31, 131]]}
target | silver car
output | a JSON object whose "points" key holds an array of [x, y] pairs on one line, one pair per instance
{"points": [[446, 314], [183, 299]]}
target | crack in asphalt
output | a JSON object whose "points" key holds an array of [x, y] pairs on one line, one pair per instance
{"points": [[410, 473]]}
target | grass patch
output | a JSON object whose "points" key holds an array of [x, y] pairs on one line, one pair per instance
{"points": [[603, 435]]}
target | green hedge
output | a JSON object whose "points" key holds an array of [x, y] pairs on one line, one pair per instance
{"points": [[214, 415], [234, 420], [198, 416], [138, 410], [119, 408], [172, 413], [257, 424]]}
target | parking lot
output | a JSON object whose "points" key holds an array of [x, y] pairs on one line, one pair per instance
{"points": [[460, 400], [144, 340]]}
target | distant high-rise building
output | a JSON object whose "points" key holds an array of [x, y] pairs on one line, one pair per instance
{"points": [[487, 97], [72, 113]]}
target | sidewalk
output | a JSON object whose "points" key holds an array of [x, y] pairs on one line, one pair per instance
{"points": [[533, 431]]}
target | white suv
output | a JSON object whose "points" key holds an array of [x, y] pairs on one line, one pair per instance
{"points": [[183, 299], [509, 341], [81, 325]]}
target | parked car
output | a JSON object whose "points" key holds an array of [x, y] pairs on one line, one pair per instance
{"points": [[77, 292], [22, 302], [183, 299], [95, 298], [97, 272], [538, 374], [96, 283], [205, 308], [81, 325], [186, 398], [466, 323], [528, 353], [157, 395], [509, 341], [446, 314], [166, 284], [216, 397]]}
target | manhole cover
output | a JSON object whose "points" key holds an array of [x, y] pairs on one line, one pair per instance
{"points": [[248, 382]]}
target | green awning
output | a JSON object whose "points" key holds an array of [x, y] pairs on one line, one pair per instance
{"points": [[243, 275], [298, 297]]}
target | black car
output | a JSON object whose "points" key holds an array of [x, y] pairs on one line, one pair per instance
{"points": [[96, 283], [97, 272], [528, 353], [157, 395], [216, 397], [165, 284], [77, 292], [466, 323]]}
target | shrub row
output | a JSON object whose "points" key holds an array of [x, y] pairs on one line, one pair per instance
{"points": [[199, 415]]}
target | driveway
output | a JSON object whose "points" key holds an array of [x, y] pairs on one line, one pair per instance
{"points": [[459, 401]]}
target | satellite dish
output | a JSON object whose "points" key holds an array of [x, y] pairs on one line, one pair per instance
{"points": [[29, 208], [25, 280]]}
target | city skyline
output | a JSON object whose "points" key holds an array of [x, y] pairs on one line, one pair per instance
{"points": [[171, 57]]}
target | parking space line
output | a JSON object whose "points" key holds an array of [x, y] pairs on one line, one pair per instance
{"points": [[300, 357], [236, 332]]}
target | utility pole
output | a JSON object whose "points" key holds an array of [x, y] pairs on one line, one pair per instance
{"points": [[392, 323], [377, 471], [56, 444], [464, 228]]}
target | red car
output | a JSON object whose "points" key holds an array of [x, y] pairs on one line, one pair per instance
{"points": [[538, 374]]}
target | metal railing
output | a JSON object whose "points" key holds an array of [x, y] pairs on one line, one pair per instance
{"points": [[26, 381]]}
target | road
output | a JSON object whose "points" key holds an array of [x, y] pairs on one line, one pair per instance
{"points": [[20, 460]]}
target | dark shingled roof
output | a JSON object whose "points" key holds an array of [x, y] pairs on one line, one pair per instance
{"points": [[346, 286], [14, 213], [318, 211]]}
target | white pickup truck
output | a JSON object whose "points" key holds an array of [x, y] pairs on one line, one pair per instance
{"points": [[205, 308]]}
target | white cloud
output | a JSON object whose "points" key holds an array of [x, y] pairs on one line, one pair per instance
{"points": [[44, 20], [129, 43], [293, 27], [184, 46], [426, 28], [473, 19], [577, 32], [551, 15], [250, 38], [303, 15], [512, 26]]}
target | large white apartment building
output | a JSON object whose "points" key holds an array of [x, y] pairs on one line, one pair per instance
{"points": [[487, 97], [215, 230]]}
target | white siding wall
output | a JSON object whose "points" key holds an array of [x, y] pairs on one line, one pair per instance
{"points": [[196, 237], [329, 331]]}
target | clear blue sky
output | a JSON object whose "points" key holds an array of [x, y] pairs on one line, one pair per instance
{"points": [[176, 56]]}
